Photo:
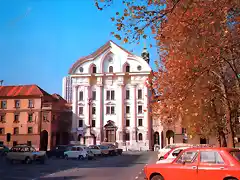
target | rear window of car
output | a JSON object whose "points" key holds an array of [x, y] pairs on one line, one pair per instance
{"points": [[235, 154], [103, 147]]}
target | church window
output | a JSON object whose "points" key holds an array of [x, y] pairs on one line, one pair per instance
{"points": [[94, 69], [140, 137], [127, 68]]}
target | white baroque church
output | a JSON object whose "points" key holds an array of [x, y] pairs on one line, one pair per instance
{"points": [[110, 99]]}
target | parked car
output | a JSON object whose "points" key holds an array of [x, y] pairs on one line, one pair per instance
{"points": [[96, 150], [198, 163], [26, 154], [58, 151], [171, 155], [3, 150], [76, 152], [112, 150], [163, 151], [104, 150]]}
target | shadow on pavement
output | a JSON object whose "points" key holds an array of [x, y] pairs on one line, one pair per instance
{"points": [[25, 172]]}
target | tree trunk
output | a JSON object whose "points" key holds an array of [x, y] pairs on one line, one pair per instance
{"points": [[219, 139], [223, 139]]}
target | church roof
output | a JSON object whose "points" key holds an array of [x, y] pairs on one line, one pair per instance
{"points": [[96, 53]]}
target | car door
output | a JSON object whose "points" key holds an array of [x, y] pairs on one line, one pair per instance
{"points": [[72, 152], [184, 167], [211, 164]]}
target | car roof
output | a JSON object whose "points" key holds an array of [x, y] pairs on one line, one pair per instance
{"points": [[211, 148]]}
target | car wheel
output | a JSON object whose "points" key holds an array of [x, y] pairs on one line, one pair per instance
{"points": [[157, 177], [231, 178], [28, 160], [66, 157], [80, 157]]}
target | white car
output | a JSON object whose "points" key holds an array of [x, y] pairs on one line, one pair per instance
{"points": [[76, 152], [172, 155], [96, 150], [163, 151]]}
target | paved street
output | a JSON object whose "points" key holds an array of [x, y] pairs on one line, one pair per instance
{"points": [[129, 166]]}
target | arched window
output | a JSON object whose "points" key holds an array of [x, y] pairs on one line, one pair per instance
{"points": [[110, 69], [140, 138], [127, 68], [94, 69]]}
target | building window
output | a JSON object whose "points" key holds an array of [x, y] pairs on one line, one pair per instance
{"points": [[127, 122], [16, 118], [127, 94], [15, 143], [127, 136], [2, 118], [94, 69], [80, 110], [2, 131], [127, 68], [16, 130], [110, 69], [140, 122], [17, 103], [80, 123], [45, 116], [30, 130], [140, 109], [81, 96], [127, 109], [139, 94], [29, 143], [110, 109], [93, 110], [30, 103], [30, 117], [110, 95], [93, 95], [3, 104], [140, 137], [93, 123]]}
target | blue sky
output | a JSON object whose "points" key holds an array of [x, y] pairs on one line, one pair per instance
{"points": [[41, 39]]}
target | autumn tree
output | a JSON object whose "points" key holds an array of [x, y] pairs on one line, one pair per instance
{"points": [[199, 45]]}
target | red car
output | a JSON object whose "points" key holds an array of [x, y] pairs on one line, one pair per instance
{"points": [[198, 164]]}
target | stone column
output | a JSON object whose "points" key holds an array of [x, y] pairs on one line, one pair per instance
{"points": [[133, 109], [146, 120], [99, 117], [86, 96], [160, 139], [75, 112], [120, 112]]}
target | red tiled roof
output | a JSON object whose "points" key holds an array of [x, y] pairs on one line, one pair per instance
{"points": [[95, 53], [58, 97], [22, 90]]}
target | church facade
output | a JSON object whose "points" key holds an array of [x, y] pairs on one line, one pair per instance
{"points": [[110, 101]]}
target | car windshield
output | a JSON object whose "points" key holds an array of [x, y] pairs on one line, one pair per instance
{"points": [[235, 154]]}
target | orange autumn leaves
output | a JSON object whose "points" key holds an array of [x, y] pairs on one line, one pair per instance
{"points": [[199, 58]]}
